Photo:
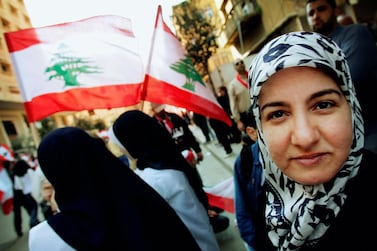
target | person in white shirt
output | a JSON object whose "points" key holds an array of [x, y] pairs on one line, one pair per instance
{"points": [[160, 163]]}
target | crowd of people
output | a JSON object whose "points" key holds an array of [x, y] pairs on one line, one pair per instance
{"points": [[303, 112]]}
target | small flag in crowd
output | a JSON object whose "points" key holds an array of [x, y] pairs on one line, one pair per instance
{"points": [[222, 195], [89, 64], [6, 185], [6, 154], [172, 79]]}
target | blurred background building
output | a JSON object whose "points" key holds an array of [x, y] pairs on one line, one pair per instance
{"points": [[239, 28]]}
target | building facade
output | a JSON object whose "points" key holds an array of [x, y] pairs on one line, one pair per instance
{"points": [[15, 131]]}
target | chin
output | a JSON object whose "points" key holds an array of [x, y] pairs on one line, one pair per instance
{"points": [[311, 179]]}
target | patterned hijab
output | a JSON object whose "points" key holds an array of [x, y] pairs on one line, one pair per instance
{"points": [[298, 215]]}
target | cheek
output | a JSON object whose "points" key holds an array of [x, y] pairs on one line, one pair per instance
{"points": [[340, 136], [277, 141]]}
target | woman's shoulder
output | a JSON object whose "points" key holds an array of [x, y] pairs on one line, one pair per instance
{"points": [[43, 237], [162, 173], [165, 181]]}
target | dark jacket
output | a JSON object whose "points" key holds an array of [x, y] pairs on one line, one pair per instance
{"points": [[247, 188], [181, 133]]}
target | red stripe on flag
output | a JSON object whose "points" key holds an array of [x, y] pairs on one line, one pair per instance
{"points": [[78, 99], [221, 202], [159, 91], [22, 39], [7, 206], [160, 21]]}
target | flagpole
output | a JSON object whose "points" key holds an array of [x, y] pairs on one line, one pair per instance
{"points": [[146, 76]]}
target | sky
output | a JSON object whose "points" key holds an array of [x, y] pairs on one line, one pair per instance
{"points": [[141, 12]]}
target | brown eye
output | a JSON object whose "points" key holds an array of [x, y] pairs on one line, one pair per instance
{"points": [[324, 105], [275, 115]]}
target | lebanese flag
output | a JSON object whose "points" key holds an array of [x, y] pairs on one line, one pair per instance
{"points": [[6, 192], [222, 195], [6, 153], [6, 185], [88, 64], [172, 79]]}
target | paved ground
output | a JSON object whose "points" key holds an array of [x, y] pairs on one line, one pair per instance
{"points": [[213, 169]]}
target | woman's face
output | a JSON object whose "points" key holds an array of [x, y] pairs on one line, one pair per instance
{"points": [[306, 122]]}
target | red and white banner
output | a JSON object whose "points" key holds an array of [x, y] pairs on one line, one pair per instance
{"points": [[172, 79], [88, 64], [222, 195], [6, 192]]}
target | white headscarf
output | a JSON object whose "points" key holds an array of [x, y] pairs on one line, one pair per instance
{"points": [[298, 214]]}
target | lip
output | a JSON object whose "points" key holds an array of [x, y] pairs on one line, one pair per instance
{"points": [[317, 23], [309, 159]]}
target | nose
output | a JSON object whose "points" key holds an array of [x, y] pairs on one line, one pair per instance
{"points": [[315, 15], [305, 132]]}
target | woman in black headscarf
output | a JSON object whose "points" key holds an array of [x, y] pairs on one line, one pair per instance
{"points": [[103, 205]]}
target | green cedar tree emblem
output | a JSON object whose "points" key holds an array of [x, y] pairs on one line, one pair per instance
{"points": [[65, 66], [185, 66]]}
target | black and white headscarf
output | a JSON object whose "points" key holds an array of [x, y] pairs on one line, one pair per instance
{"points": [[298, 215]]}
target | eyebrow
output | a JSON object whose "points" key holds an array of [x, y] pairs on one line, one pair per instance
{"points": [[320, 8], [313, 96]]}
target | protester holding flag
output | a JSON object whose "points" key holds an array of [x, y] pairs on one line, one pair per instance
{"points": [[178, 129], [23, 186], [102, 204]]}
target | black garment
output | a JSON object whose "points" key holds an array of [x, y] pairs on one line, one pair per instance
{"points": [[234, 134], [354, 227], [222, 132], [30, 204], [202, 122], [180, 132], [103, 204], [21, 200], [46, 209]]}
